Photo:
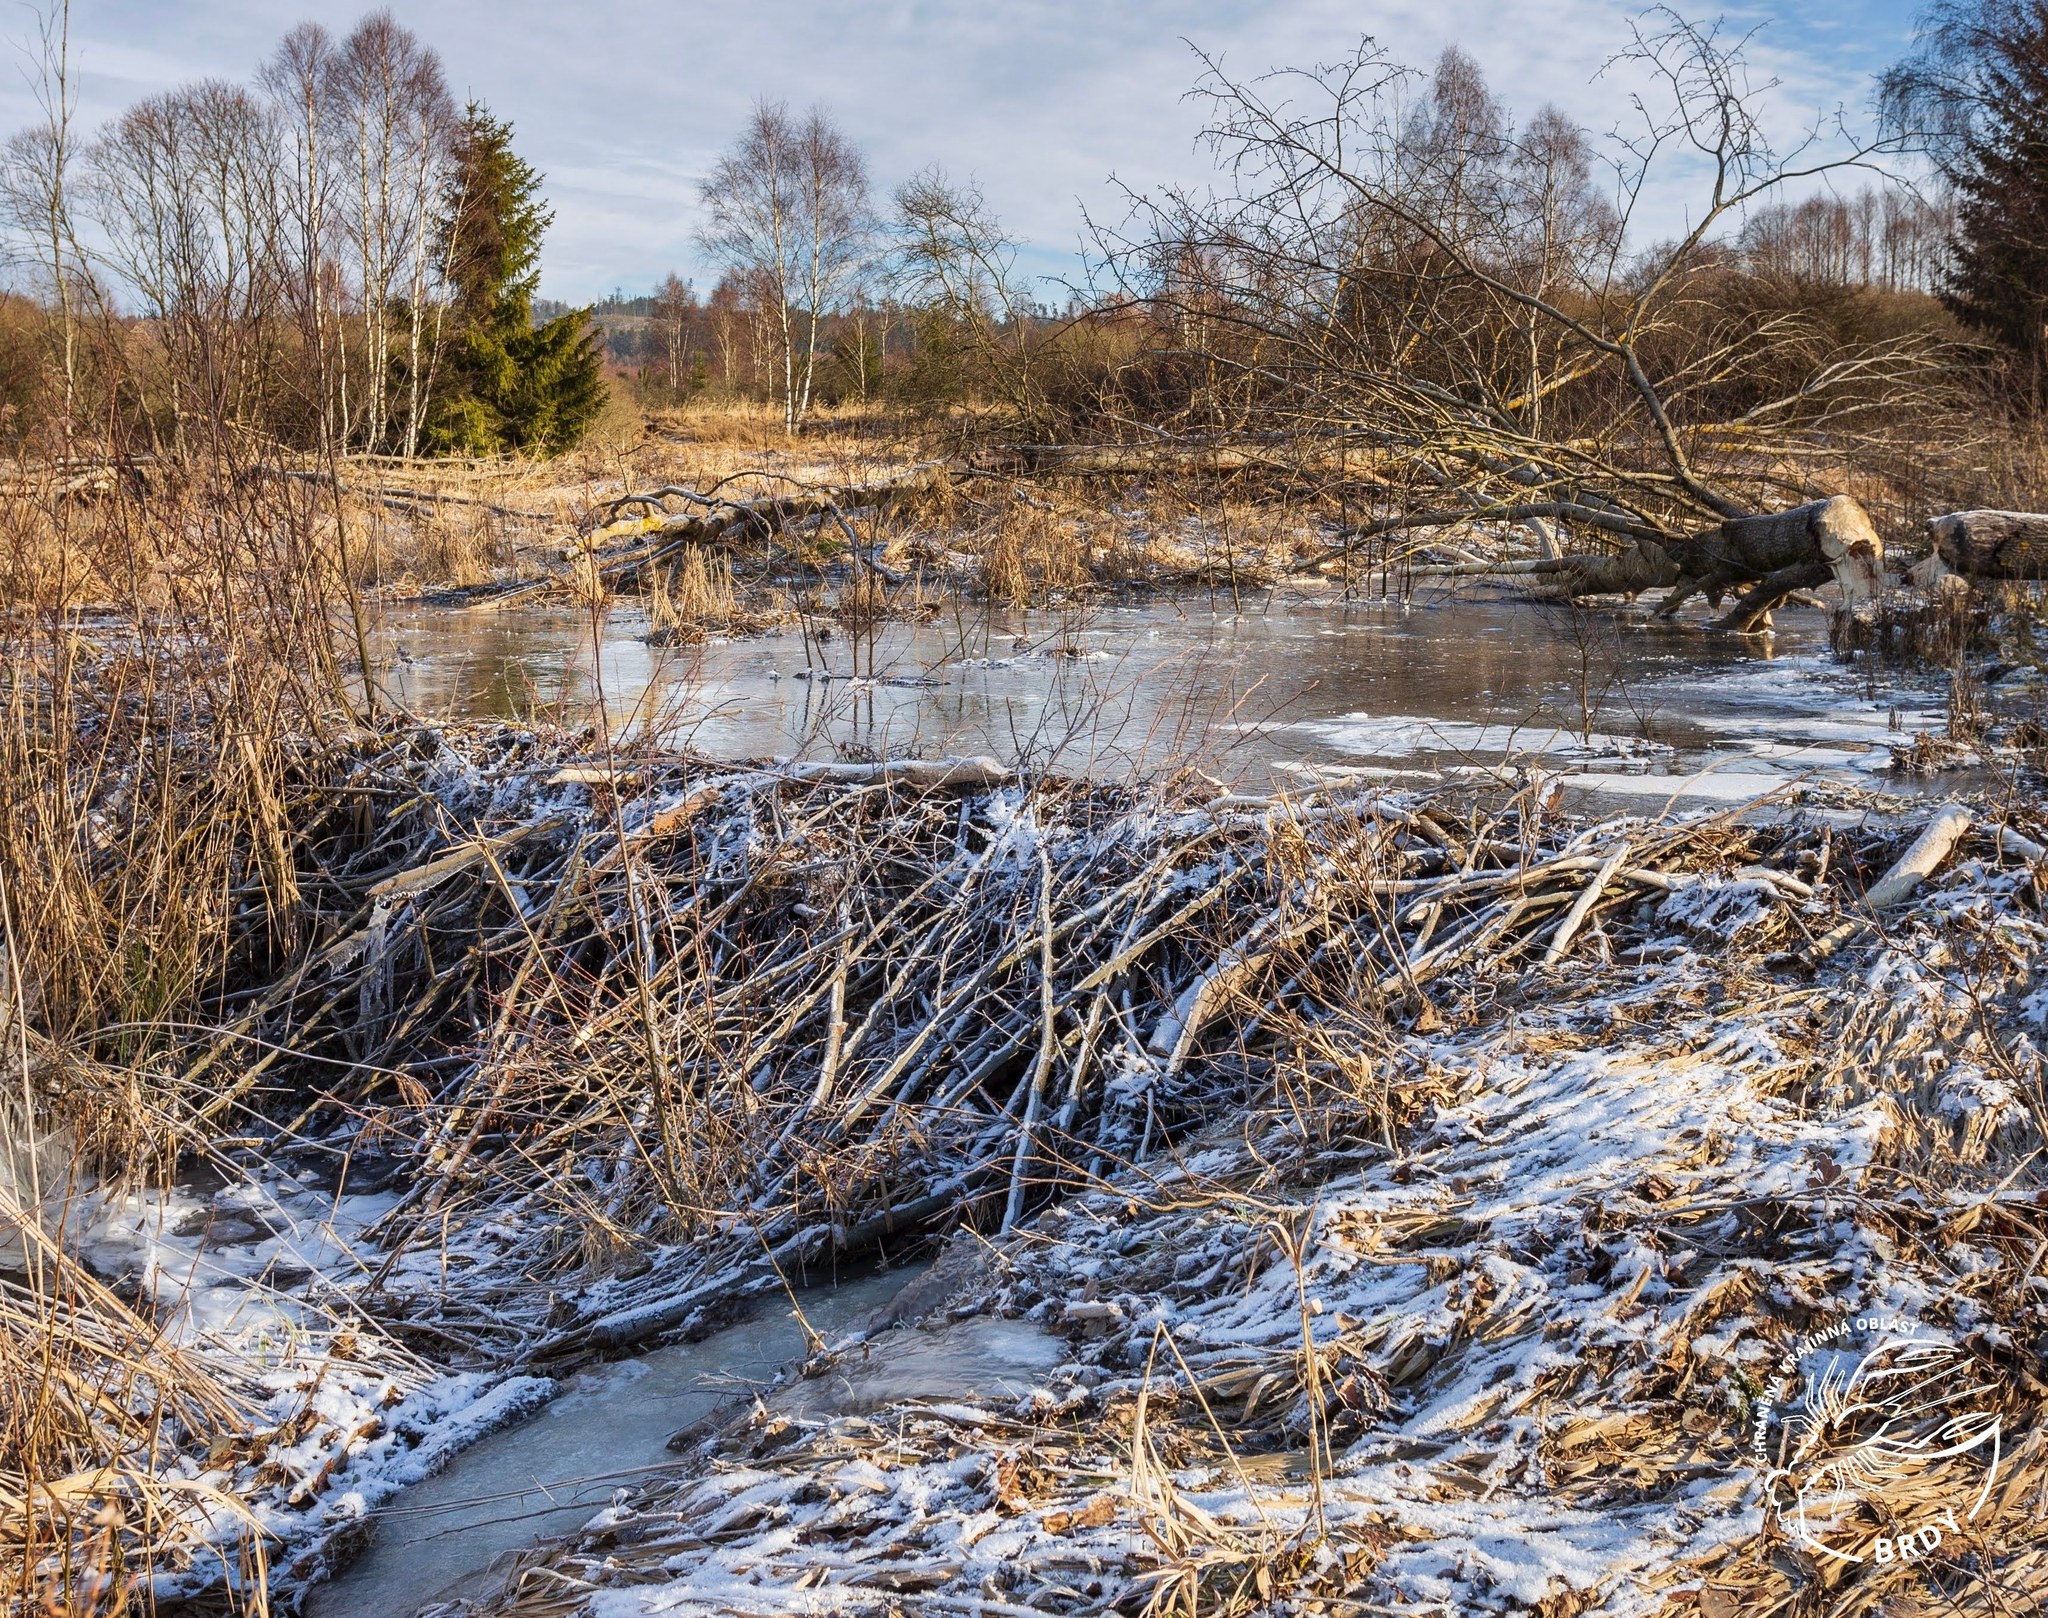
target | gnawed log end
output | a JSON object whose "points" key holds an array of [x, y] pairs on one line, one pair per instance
{"points": [[1992, 544], [1780, 554]]}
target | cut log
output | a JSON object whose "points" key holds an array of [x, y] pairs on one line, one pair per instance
{"points": [[1772, 557], [1922, 860], [1992, 544], [929, 773], [1836, 532], [1779, 555], [2023, 847], [1928, 572]]}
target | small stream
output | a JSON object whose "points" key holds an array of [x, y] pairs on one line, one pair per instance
{"points": [[607, 1429], [1264, 696]]}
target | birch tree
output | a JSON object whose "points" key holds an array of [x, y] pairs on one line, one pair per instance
{"points": [[301, 80], [184, 188], [675, 324], [398, 116], [788, 213]]}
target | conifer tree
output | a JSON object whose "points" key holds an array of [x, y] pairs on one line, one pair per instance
{"points": [[1998, 280], [1974, 97], [508, 384]]}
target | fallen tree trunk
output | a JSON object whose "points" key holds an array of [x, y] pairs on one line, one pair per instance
{"points": [[710, 521], [1643, 566], [1922, 860], [1780, 554], [1151, 460], [1992, 544], [1771, 557]]}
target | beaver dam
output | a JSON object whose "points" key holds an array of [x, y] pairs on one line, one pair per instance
{"points": [[1357, 1199]]}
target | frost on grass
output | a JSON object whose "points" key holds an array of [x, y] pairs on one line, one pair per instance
{"points": [[299, 1415], [1415, 1193], [1471, 1314]]}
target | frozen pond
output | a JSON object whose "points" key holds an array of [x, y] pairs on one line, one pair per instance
{"points": [[1259, 697]]}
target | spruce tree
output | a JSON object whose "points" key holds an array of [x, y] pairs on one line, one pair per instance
{"points": [[1998, 276], [507, 384]]}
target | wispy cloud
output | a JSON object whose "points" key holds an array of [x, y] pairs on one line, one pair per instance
{"points": [[625, 103]]}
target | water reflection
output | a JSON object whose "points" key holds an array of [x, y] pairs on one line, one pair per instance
{"points": [[1251, 696]]}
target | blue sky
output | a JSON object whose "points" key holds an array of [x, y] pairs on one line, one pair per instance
{"points": [[623, 103]]}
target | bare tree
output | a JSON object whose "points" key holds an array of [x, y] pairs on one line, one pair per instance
{"points": [[726, 318], [393, 102], [35, 187], [185, 190], [675, 331], [1446, 298], [1892, 237], [1451, 148], [300, 78], [789, 216], [955, 265]]}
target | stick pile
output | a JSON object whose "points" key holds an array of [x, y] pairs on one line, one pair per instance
{"points": [[1482, 1311], [646, 1034]]}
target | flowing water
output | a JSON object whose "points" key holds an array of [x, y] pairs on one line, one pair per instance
{"points": [[606, 1430], [1265, 696]]}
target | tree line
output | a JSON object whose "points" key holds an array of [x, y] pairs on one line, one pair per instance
{"points": [[334, 256], [824, 293]]}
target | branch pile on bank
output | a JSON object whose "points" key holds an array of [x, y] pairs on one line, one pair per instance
{"points": [[1481, 1310], [633, 1037], [702, 1023], [647, 1033]]}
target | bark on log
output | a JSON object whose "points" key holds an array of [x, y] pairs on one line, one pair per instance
{"points": [[1834, 531], [930, 774], [1643, 566], [1152, 460], [1993, 544], [1773, 556], [1780, 554]]}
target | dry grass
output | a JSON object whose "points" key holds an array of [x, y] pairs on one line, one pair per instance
{"points": [[96, 1409], [169, 664], [1473, 1306], [698, 597]]}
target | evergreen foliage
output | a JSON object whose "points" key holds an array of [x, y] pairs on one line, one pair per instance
{"points": [[507, 383], [1987, 87]]}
